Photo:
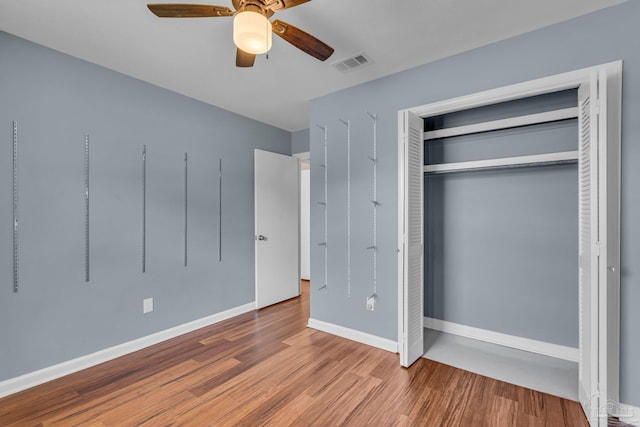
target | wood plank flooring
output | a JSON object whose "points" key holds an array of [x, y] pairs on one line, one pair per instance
{"points": [[267, 368]]}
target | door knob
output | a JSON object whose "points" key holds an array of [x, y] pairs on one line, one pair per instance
{"points": [[612, 269], [260, 237]]}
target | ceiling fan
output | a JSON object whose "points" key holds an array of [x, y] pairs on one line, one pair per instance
{"points": [[251, 26]]}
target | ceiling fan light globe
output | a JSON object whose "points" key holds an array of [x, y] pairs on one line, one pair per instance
{"points": [[252, 32]]}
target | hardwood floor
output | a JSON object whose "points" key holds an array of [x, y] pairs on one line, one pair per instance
{"points": [[267, 368]]}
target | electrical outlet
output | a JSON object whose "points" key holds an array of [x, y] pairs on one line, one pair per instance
{"points": [[147, 305], [371, 303]]}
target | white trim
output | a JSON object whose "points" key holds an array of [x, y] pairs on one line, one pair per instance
{"points": [[32, 379], [305, 159], [612, 258], [626, 413], [511, 122], [401, 208], [533, 346], [609, 97], [564, 81], [353, 335], [505, 161], [304, 156]]}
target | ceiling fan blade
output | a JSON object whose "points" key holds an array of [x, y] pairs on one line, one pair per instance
{"points": [[244, 59], [303, 41], [180, 10]]}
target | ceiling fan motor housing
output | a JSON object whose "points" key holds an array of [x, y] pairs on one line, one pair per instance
{"points": [[265, 7]]}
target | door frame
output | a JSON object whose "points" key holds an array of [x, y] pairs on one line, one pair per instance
{"points": [[305, 163], [607, 311]]}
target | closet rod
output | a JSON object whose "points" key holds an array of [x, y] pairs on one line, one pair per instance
{"points": [[560, 158], [511, 122]]}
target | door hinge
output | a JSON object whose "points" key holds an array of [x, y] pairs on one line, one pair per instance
{"points": [[597, 249]]}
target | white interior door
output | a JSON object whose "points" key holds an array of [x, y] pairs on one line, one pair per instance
{"points": [[277, 227], [410, 222], [608, 156], [588, 248], [610, 95], [599, 259]]}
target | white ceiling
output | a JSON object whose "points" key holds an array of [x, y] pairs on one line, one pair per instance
{"points": [[196, 57]]}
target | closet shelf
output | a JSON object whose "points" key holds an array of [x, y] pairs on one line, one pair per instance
{"points": [[559, 158], [512, 122]]}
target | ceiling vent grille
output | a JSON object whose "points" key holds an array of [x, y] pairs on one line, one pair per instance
{"points": [[350, 64]]}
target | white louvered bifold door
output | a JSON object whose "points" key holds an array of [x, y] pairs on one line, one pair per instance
{"points": [[588, 248], [609, 213], [609, 93], [412, 339]]}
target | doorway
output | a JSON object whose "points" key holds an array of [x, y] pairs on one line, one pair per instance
{"points": [[305, 215], [305, 229]]}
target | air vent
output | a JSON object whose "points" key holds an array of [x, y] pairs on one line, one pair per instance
{"points": [[350, 64]]}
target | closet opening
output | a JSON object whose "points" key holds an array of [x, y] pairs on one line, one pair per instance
{"points": [[501, 241], [508, 234]]}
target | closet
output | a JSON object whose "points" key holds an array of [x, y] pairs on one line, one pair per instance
{"points": [[501, 234], [508, 226]]}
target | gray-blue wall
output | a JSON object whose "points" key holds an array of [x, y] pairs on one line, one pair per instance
{"points": [[502, 246], [300, 141], [601, 37], [55, 99]]}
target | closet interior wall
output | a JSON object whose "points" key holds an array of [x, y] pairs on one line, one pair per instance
{"points": [[502, 245]]}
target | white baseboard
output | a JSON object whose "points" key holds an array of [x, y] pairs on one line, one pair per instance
{"points": [[23, 382], [554, 350], [354, 335]]}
